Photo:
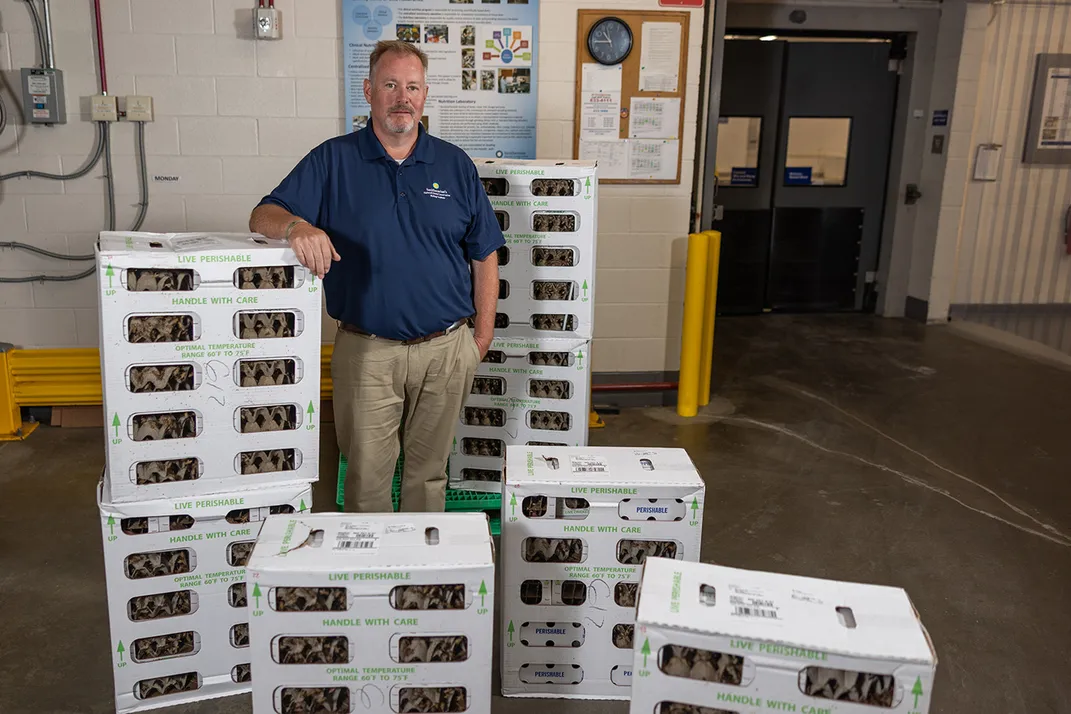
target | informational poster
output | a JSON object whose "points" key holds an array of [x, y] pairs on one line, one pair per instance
{"points": [[482, 67], [1055, 130]]}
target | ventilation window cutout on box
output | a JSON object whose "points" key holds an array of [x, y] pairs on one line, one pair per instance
{"points": [[155, 244], [707, 595], [428, 597], [877, 690], [846, 617], [431, 536], [302, 599]]}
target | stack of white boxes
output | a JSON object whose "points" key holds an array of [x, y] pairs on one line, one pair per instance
{"points": [[533, 387], [710, 638], [210, 361], [577, 525], [381, 612]]}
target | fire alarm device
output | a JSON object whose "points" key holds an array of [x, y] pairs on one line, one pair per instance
{"points": [[267, 21]]}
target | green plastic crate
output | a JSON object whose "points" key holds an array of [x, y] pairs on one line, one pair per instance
{"points": [[457, 500]]}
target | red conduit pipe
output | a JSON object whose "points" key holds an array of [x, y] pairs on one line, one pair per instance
{"points": [[100, 49], [635, 387]]}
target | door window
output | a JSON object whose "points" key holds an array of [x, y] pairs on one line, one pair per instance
{"points": [[817, 151], [737, 158]]}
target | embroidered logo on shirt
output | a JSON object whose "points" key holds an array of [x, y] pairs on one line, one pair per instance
{"points": [[436, 192]]}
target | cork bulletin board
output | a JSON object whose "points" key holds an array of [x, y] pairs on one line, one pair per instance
{"points": [[629, 116]]}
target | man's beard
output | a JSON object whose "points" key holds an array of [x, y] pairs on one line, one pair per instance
{"points": [[398, 124]]}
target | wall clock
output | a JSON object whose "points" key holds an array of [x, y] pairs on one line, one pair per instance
{"points": [[610, 40]]}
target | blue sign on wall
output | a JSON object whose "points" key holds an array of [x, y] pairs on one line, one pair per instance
{"points": [[797, 175], [744, 177], [940, 117]]}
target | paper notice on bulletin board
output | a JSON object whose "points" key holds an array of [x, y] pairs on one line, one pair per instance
{"points": [[649, 160], [601, 78], [600, 116], [655, 118], [653, 160], [660, 53], [611, 155]]}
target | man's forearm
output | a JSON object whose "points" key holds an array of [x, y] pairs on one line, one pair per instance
{"points": [[271, 220], [485, 294]]}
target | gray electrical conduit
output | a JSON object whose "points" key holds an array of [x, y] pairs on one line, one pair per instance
{"points": [[143, 207], [39, 32]]}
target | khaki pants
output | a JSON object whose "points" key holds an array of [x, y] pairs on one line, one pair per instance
{"points": [[388, 395]]}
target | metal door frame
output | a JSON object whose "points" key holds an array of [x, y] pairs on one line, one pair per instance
{"points": [[919, 20]]}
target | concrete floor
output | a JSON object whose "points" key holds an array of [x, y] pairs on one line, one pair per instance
{"points": [[857, 448]]}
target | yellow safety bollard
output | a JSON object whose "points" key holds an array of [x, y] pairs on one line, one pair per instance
{"points": [[695, 280], [706, 359]]}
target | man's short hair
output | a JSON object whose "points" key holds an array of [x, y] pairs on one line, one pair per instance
{"points": [[401, 47]]}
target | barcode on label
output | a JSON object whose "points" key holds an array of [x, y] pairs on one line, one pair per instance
{"points": [[755, 612], [355, 544]]}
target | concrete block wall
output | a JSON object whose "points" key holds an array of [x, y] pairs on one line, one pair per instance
{"points": [[1001, 242], [233, 116]]}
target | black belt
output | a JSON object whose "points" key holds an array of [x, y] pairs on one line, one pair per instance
{"points": [[414, 341]]}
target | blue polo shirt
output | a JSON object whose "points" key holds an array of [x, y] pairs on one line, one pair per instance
{"points": [[405, 232]]}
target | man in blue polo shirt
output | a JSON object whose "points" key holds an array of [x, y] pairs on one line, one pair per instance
{"points": [[398, 226]]}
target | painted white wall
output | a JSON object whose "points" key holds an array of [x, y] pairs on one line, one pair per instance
{"points": [[1000, 243], [234, 115]]}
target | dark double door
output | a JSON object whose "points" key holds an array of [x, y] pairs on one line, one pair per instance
{"points": [[803, 153]]}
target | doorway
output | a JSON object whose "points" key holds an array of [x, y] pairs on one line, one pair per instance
{"points": [[802, 158]]}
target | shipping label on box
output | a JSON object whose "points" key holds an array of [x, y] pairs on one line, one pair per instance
{"points": [[577, 526], [548, 212], [747, 641], [205, 337], [381, 612], [526, 391], [175, 572]]}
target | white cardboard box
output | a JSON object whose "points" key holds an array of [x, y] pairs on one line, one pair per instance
{"points": [[544, 493], [214, 395], [208, 578], [777, 636], [362, 580], [514, 188], [515, 370]]}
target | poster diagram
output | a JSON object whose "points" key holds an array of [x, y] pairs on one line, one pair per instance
{"points": [[508, 46], [481, 67]]}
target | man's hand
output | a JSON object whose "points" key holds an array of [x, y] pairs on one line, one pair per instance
{"points": [[484, 343], [313, 248]]}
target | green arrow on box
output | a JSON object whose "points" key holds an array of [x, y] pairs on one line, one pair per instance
{"points": [[917, 690], [646, 650], [510, 630], [256, 594], [115, 423], [120, 649], [482, 592]]}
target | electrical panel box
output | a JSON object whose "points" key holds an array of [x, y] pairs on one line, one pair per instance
{"points": [[42, 96]]}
